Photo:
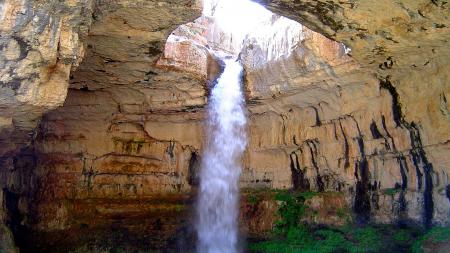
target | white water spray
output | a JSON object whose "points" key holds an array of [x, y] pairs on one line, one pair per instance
{"points": [[218, 210]]}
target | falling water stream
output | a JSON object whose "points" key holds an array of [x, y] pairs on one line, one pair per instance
{"points": [[217, 210], [236, 22]]}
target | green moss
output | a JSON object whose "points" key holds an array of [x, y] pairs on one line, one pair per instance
{"points": [[291, 235], [276, 246], [402, 236], [332, 241], [321, 241], [391, 191], [291, 210], [253, 199], [299, 235], [438, 235], [285, 195], [367, 240], [282, 195], [372, 238], [435, 235]]}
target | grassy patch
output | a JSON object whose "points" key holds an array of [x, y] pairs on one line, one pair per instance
{"points": [[325, 240], [435, 235], [367, 239], [291, 210], [290, 235]]}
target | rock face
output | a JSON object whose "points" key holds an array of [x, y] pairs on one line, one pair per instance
{"points": [[404, 50], [42, 43], [123, 151]]}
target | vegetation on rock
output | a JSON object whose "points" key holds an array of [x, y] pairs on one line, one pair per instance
{"points": [[291, 235]]}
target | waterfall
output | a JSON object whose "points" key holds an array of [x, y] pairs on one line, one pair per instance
{"points": [[218, 201]]}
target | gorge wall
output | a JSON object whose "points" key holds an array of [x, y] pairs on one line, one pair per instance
{"points": [[42, 43], [123, 148]]}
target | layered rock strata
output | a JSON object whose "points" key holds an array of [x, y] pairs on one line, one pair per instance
{"points": [[43, 43], [404, 48], [127, 143]]}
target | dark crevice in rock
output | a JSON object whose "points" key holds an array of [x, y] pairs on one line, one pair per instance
{"points": [[374, 196], [318, 123], [155, 48], [19, 193], [403, 171], [401, 199], [13, 215], [439, 3], [14, 84], [360, 141], [294, 140], [375, 132], [346, 148], [362, 201], [24, 48], [150, 75], [388, 64], [424, 169], [314, 155], [402, 207], [444, 106], [383, 122], [299, 180], [361, 205], [84, 88], [396, 105], [447, 192], [88, 175], [192, 108], [170, 149], [421, 162], [194, 169]]}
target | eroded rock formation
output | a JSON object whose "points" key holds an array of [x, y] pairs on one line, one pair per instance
{"points": [[404, 49], [124, 149], [42, 44]]}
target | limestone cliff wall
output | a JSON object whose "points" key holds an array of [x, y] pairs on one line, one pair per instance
{"points": [[42, 43], [127, 142], [318, 120], [402, 48]]}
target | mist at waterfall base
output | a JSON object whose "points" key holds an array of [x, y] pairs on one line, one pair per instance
{"points": [[217, 210]]}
